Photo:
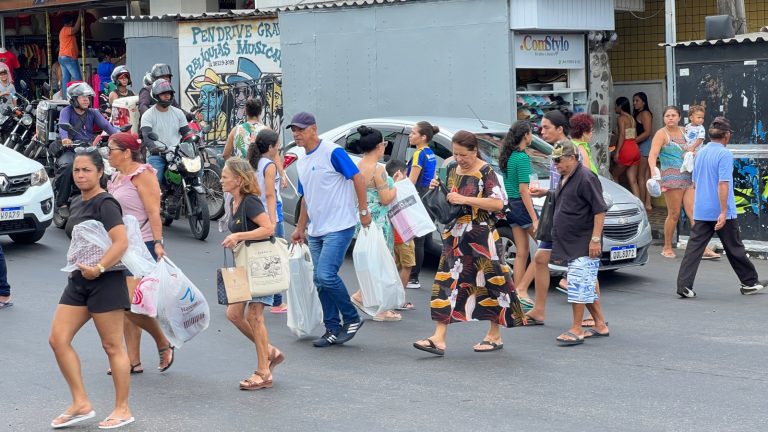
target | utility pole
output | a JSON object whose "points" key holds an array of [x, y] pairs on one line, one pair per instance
{"points": [[734, 8]]}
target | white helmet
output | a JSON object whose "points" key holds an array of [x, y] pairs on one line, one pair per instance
{"points": [[78, 89]]}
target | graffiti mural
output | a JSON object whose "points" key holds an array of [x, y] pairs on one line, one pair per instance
{"points": [[223, 63]]}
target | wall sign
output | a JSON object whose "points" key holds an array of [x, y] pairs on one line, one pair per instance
{"points": [[549, 51]]}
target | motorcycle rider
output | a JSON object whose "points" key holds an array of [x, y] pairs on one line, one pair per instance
{"points": [[82, 118], [121, 77], [165, 120]]}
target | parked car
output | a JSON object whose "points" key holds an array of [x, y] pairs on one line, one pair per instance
{"points": [[626, 234], [26, 197]]}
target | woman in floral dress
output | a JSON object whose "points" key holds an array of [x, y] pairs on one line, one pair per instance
{"points": [[473, 282]]}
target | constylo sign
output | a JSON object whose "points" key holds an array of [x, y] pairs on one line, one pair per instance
{"points": [[549, 51]]}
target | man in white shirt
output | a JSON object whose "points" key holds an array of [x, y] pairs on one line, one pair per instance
{"points": [[334, 193], [167, 121]]}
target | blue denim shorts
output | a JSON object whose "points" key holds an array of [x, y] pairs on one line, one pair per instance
{"points": [[546, 245], [517, 215]]}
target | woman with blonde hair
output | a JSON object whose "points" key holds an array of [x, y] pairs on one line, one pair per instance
{"points": [[250, 222]]}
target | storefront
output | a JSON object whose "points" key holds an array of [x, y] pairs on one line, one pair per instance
{"points": [[29, 39]]}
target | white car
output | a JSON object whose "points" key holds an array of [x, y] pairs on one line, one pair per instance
{"points": [[26, 197]]}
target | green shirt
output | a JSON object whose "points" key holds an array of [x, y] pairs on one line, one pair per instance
{"points": [[518, 172], [585, 146]]}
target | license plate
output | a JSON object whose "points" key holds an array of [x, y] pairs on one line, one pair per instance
{"points": [[619, 253], [11, 213]]}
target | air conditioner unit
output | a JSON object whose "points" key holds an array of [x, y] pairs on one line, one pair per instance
{"points": [[718, 27]]}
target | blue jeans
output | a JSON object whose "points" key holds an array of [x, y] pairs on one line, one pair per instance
{"points": [[279, 232], [70, 71], [5, 289], [158, 163], [328, 255]]}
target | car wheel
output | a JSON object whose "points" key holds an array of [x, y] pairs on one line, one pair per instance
{"points": [[507, 245], [28, 237]]}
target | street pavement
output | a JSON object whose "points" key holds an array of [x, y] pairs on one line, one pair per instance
{"points": [[669, 364]]}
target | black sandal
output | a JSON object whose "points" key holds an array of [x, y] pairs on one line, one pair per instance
{"points": [[161, 351], [133, 369], [430, 347]]}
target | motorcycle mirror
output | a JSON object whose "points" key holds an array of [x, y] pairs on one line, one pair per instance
{"points": [[153, 136], [23, 84], [126, 128], [207, 128], [68, 127], [46, 87]]}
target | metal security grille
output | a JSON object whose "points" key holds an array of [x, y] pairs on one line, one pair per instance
{"points": [[623, 213], [621, 232]]}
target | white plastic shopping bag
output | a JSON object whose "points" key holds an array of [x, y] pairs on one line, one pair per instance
{"points": [[304, 310], [376, 271], [182, 311], [90, 242], [688, 159], [407, 213]]}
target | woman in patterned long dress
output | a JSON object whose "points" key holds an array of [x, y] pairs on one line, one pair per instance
{"points": [[380, 191], [473, 282], [669, 146]]}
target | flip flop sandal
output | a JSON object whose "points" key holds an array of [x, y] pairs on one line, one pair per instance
{"points": [[430, 347], [494, 346], [669, 255], [406, 306], [73, 418], [249, 384], [360, 306], [173, 355], [710, 257], [388, 318], [133, 369], [585, 322], [4, 305], [576, 340], [533, 321], [120, 422], [588, 333], [276, 360]]}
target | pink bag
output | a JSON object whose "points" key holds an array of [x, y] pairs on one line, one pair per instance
{"points": [[144, 300]]}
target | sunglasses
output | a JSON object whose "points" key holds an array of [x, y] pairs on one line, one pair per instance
{"points": [[3, 73], [558, 159], [111, 149], [85, 150]]}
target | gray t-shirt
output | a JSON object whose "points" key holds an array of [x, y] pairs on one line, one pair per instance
{"points": [[165, 124]]}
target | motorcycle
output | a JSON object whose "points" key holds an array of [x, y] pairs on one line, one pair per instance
{"points": [[24, 128], [183, 194], [211, 179], [60, 220]]}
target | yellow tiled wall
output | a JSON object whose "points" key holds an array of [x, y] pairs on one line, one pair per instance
{"points": [[637, 55]]}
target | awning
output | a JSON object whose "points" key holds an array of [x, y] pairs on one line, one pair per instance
{"points": [[19, 5], [234, 14], [761, 36]]}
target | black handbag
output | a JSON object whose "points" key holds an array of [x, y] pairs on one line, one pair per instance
{"points": [[438, 207], [547, 218]]}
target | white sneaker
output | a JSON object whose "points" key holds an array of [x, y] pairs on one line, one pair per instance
{"points": [[757, 287], [413, 284]]}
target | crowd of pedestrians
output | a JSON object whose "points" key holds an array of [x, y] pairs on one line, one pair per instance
{"points": [[473, 281]]}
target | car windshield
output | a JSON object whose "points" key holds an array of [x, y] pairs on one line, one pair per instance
{"points": [[538, 151]]}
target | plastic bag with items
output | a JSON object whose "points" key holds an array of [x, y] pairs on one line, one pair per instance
{"points": [[90, 242], [376, 272], [687, 165], [182, 310], [305, 312]]}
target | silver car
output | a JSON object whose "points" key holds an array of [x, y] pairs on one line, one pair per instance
{"points": [[626, 234]]}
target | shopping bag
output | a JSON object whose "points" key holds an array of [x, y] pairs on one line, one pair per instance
{"points": [[407, 213], [232, 284], [144, 301], [376, 271], [266, 264], [687, 165], [182, 310], [438, 207], [653, 187], [304, 310], [547, 218]]}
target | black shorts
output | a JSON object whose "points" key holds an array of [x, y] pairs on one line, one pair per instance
{"points": [[106, 293], [517, 215]]}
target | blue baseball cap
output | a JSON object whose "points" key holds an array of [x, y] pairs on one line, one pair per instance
{"points": [[302, 120]]}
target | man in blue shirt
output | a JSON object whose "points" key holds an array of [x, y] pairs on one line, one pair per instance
{"points": [[715, 211], [333, 194]]}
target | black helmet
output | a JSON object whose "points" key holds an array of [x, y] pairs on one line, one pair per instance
{"points": [[160, 69], [120, 70], [159, 87], [78, 89]]}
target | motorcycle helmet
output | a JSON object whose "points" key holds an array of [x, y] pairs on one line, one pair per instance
{"points": [[120, 70], [160, 69], [79, 89], [159, 87], [147, 79]]}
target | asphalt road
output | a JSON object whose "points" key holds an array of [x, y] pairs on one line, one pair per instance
{"points": [[669, 364]]}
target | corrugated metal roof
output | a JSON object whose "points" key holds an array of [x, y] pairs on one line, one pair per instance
{"points": [[761, 36], [337, 4], [193, 17]]}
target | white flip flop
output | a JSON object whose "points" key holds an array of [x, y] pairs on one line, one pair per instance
{"points": [[122, 423], [72, 419]]}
